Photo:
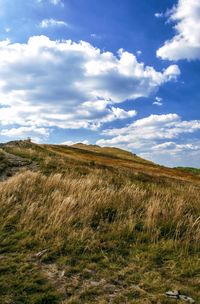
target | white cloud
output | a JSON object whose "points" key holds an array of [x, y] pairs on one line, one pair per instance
{"points": [[159, 15], [54, 2], [23, 132], [175, 154], [153, 135], [52, 23], [70, 142], [153, 127], [65, 84], [186, 42], [158, 101], [172, 72], [173, 147], [139, 53]]}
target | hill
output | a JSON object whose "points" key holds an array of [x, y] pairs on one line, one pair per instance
{"points": [[190, 169], [85, 224]]}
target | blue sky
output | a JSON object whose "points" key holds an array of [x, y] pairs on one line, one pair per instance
{"points": [[113, 73]]}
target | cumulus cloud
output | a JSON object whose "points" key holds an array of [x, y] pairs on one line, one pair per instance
{"points": [[152, 135], [186, 42], [24, 132], [175, 154], [173, 147], [64, 84], [52, 23], [153, 127]]}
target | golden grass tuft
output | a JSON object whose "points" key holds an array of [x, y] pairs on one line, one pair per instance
{"points": [[92, 211]]}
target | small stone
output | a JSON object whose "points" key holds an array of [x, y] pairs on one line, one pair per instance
{"points": [[41, 253], [173, 294], [187, 299], [62, 274], [177, 295]]}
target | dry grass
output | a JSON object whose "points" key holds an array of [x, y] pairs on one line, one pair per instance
{"points": [[120, 231], [94, 212]]}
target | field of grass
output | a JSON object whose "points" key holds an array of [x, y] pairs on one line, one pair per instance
{"points": [[87, 226]]}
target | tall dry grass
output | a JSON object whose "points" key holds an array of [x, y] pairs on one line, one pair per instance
{"points": [[91, 213]]}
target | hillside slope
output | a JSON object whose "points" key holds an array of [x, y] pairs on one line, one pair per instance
{"points": [[85, 224]]}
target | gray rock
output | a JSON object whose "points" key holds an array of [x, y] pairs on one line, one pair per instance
{"points": [[187, 299], [178, 296]]}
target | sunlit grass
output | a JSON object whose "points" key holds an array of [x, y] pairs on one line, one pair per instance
{"points": [[115, 232]]}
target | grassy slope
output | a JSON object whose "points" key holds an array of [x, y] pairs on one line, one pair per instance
{"points": [[118, 229], [190, 169]]}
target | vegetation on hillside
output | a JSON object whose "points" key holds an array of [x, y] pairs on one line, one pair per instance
{"points": [[88, 227], [190, 169]]}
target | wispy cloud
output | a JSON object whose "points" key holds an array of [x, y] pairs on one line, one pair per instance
{"points": [[53, 2], [70, 142], [52, 23], [35, 132], [56, 2], [159, 15], [157, 137], [158, 101]]}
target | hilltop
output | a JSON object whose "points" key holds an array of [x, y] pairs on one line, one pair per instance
{"points": [[62, 158], [86, 224]]}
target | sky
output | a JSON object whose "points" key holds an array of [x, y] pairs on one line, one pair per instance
{"points": [[112, 73]]}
